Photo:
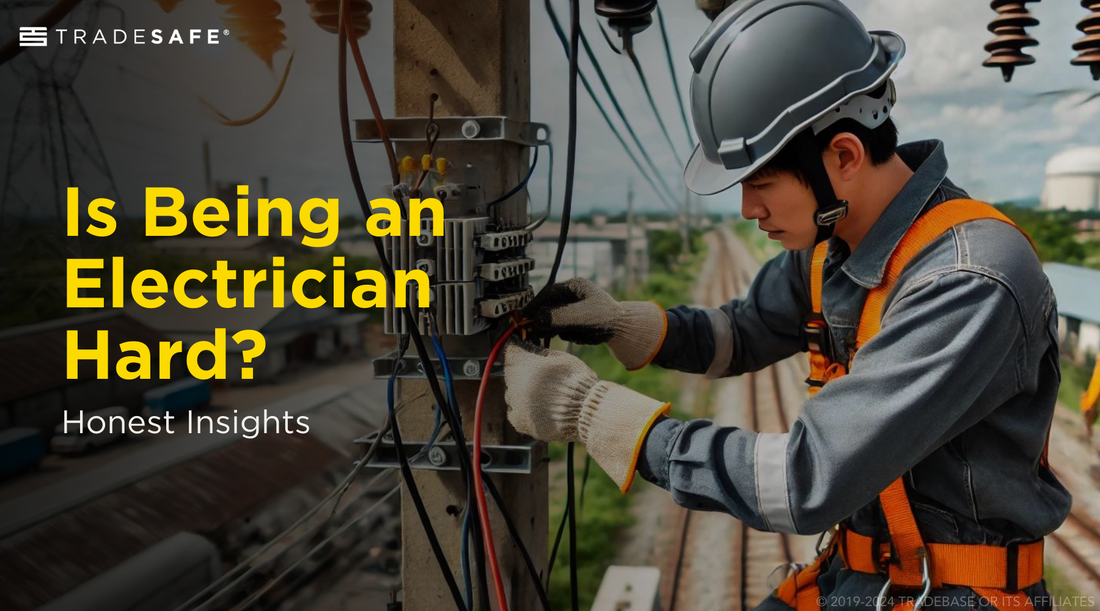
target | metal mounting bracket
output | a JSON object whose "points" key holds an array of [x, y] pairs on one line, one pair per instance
{"points": [[443, 456], [462, 367], [456, 129]]}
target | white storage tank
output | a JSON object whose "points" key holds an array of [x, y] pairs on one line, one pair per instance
{"points": [[1073, 180]]}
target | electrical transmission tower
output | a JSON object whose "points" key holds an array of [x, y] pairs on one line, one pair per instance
{"points": [[53, 146]]}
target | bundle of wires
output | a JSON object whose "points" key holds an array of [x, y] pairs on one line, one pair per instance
{"points": [[345, 34], [448, 407]]}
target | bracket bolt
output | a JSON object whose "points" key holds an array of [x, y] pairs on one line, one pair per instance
{"points": [[471, 369], [437, 456], [470, 129]]}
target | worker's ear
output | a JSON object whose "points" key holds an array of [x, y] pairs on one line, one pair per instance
{"points": [[845, 156]]}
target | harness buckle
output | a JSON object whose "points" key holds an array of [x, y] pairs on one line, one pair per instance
{"points": [[926, 584], [821, 549], [816, 336]]}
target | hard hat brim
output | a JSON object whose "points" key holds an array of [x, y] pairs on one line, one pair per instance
{"points": [[705, 177]]}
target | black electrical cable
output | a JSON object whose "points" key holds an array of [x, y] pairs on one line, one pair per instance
{"points": [[421, 349], [571, 501], [668, 195], [675, 81], [629, 48], [541, 591], [571, 144], [584, 479], [557, 542], [520, 185]]}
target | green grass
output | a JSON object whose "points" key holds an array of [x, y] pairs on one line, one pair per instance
{"points": [[1061, 588], [606, 511], [1075, 379]]}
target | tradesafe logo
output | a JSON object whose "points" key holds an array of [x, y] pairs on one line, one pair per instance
{"points": [[31, 36], [38, 36]]}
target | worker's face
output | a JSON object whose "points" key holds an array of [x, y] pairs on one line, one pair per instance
{"points": [[782, 206]]}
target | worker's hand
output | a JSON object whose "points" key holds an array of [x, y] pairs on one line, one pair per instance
{"points": [[579, 311], [554, 396]]}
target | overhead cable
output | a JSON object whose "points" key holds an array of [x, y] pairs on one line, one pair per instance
{"points": [[665, 196], [629, 48], [675, 81]]}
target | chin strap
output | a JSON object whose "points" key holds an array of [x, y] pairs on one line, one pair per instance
{"points": [[829, 208]]}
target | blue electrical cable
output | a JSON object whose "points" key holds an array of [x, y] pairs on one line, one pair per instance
{"points": [[464, 555]]}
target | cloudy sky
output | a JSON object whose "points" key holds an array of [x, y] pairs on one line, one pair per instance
{"points": [[144, 102]]}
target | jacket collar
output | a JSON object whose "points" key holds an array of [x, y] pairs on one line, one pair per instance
{"points": [[867, 265]]}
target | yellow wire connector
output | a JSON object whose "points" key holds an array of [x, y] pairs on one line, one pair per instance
{"points": [[407, 165]]}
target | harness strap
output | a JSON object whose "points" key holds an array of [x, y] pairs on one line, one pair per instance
{"points": [[814, 330], [924, 230], [973, 566], [985, 569]]}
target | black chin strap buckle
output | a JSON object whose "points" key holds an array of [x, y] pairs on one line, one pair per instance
{"points": [[829, 215]]}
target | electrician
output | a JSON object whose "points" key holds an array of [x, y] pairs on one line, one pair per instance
{"points": [[930, 326], [1089, 398]]}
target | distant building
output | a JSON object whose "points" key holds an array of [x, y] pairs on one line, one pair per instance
{"points": [[1076, 289], [36, 389], [1086, 230], [1073, 180], [294, 334], [606, 253]]}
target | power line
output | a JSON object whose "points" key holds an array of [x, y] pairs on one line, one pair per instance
{"points": [[618, 108], [571, 142], [256, 596], [629, 48], [665, 196], [675, 81]]}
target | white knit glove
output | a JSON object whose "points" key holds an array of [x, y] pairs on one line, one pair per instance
{"points": [[554, 396], [579, 311]]}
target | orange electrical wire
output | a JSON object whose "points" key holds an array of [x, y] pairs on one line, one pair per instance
{"points": [[356, 53], [479, 491]]}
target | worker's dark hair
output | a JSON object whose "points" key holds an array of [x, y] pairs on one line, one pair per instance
{"points": [[880, 143]]}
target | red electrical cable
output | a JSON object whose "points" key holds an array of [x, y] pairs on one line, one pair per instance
{"points": [[482, 506]]}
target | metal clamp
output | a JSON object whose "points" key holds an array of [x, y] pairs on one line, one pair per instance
{"points": [[410, 366], [926, 583], [456, 129], [443, 455]]}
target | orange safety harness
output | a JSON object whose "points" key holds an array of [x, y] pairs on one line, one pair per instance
{"points": [[995, 573]]}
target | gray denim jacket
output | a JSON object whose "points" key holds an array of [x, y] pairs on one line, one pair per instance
{"points": [[956, 393]]}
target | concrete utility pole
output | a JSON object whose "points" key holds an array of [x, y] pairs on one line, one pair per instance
{"points": [[475, 56]]}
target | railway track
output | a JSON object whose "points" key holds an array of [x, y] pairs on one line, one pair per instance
{"points": [[751, 557], [1082, 545]]}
